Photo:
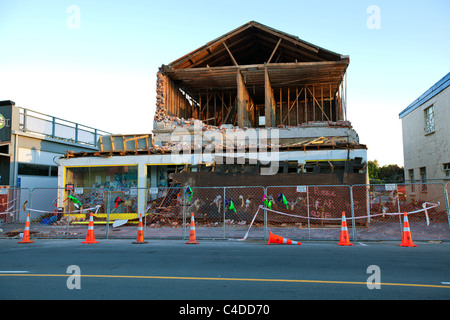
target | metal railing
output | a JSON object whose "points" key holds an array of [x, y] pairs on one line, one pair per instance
{"points": [[373, 212], [57, 128]]}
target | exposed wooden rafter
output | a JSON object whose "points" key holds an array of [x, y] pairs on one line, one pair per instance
{"points": [[274, 50], [231, 55], [257, 71]]}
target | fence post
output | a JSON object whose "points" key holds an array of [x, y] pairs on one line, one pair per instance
{"points": [[353, 213], [265, 217], [307, 210], [30, 204], [184, 213], [447, 204], [224, 217], [107, 223], [367, 187]]}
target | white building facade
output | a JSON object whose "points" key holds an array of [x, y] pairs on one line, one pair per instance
{"points": [[426, 135]]}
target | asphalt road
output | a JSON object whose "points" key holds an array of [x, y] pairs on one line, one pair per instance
{"points": [[222, 271]]}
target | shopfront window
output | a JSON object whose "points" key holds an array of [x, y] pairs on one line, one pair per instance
{"points": [[115, 177], [160, 176], [112, 188]]}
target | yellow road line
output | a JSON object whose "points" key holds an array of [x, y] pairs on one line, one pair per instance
{"points": [[225, 279]]}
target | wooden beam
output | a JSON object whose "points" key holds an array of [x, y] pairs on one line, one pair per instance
{"points": [[215, 110], [243, 101], [229, 109], [295, 102], [345, 105], [314, 105], [135, 138], [231, 55], [274, 50], [221, 114], [289, 109], [269, 98], [306, 108], [321, 101], [314, 100], [112, 143], [331, 111], [281, 106]]}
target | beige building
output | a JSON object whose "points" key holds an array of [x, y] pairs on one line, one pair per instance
{"points": [[426, 134]]}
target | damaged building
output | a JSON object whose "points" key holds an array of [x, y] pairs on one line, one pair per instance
{"points": [[256, 85], [254, 107]]}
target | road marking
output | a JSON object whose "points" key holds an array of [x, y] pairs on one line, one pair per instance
{"points": [[14, 271], [226, 279], [445, 282], [363, 244]]}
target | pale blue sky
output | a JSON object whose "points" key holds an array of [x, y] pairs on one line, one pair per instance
{"points": [[103, 74]]}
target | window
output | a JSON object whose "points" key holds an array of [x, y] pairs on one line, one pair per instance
{"points": [[446, 170], [411, 174], [429, 120], [103, 176], [27, 169], [423, 174], [423, 177]]}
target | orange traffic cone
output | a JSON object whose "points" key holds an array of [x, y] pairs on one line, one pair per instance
{"points": [[26, 231], [406, 238], [192, 236], [90, 236], [140, 234], [345, 240], [273, 238]]}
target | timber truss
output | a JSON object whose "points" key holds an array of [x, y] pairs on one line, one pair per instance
{"points": [[256, 76]]}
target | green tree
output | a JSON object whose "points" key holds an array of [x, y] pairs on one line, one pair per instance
{"points": [[388, 173], [392, 172], [374, 170]]}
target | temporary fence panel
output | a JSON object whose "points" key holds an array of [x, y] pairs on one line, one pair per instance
{"points": [[428, 211], [381, 207], [240, 206], [307, 212], [12, 201], [223, 212], [56, 215], [447, 199], [118, 211], [163, 213], [208, 215], [13, 213]]}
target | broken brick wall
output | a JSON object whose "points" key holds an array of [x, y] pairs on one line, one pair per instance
{"points": [[170, 100]]}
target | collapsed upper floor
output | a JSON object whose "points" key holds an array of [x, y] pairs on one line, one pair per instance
{"points": [[254, 76]]}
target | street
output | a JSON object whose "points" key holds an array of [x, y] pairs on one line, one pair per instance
{"points": [[222, 270]]}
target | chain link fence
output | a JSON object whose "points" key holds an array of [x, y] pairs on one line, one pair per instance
{"points": [[307, 212], [373, 212], [224, 212], [381, 207]]}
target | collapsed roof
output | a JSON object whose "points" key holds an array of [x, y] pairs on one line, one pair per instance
{"points": [[256, 71]]}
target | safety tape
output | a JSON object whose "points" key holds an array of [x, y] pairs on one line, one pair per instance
{"points": [[44, 211], [75, 211], [433, 205], [11, 213], [9, 209]]}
